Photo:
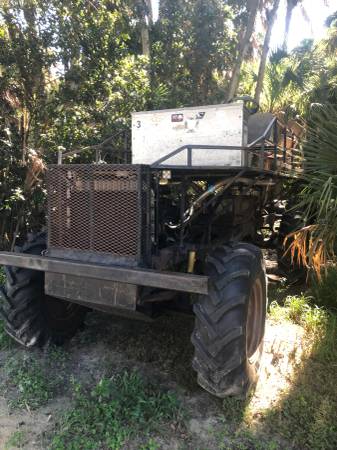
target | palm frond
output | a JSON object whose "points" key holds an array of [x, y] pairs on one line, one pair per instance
{"points": [[320, 148], [314, 245]]}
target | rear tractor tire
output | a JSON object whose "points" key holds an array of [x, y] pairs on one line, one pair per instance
{"points": [[230, 321], [32, 318]]}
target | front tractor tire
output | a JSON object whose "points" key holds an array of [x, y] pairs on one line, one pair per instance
{"points": [[32, 318], [230, 321]]}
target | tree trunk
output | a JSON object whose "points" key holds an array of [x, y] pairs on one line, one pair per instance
{"points": [[243, 47], [145, 38], [146, 20], [290, 8], [271, 16]]}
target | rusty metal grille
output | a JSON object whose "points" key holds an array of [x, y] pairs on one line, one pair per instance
{"points": [[98, 209]]}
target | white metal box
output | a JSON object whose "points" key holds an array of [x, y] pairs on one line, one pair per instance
{"points": [[155, 134]]}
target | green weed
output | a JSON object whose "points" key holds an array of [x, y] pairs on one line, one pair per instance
{"points": [[325, 292], [16, 440], [57, 356], [277, 292], [114, 411], [150, 445], [299, 310], [2, 276], [240, 436], [319, 323], [5, 341], [30, 382], [234, 409]]}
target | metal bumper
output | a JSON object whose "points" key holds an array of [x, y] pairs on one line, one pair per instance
{"points": [[175, 281]]}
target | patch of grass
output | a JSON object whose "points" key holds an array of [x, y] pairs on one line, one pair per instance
{"points": [[150, 445], [306, 415], [114, 411], [243, 437], [57, 356], [297, 309], [236, 430], [325, 291], [276, 292], [16, 440], [234, 409], [5, 341], [320, 324], [29, 381], [2, 276]]}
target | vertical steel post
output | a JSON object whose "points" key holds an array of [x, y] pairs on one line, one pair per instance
{"points": [[126, 148], [261, 156], [189, 156], [157, 206], [275, 145], [139, 210], [182, 211]]}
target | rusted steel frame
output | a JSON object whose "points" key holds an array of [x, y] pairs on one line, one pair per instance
{"points": [[143, 277]]}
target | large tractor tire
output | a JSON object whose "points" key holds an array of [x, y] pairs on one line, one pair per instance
{"points": [[31, 317], [230, 321]]}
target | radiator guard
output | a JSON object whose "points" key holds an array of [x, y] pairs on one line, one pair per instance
{"points": [[99, 213]]}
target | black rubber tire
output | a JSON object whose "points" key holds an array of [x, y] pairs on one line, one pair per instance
{"points": [[31, 317], [228, 347]]}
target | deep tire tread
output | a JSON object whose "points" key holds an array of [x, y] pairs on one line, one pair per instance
{"points": [[219, 337], [23, 303]]}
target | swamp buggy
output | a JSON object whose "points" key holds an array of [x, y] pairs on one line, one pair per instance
{"points": [[175, 229]]}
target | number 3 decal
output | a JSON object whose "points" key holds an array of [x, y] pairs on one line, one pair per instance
{"points": [[139, 124]]}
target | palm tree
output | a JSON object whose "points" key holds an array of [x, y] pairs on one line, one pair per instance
{"points": [[291, 5], [298, 79], [243, 46], [271, 16], [277, 80]]}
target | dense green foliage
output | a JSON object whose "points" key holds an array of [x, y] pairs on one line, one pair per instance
{"points": [[72, 72], [295, 81]]}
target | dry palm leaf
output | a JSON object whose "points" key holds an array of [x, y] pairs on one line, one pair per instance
{"points": [[35, 169]]}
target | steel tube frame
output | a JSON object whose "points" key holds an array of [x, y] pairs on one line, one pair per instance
{"points": [[174, 281], [262, 140]]}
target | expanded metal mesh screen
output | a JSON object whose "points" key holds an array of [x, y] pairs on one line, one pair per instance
{"points": [[98, 209]]}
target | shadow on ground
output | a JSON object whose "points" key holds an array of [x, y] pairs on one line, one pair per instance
{"points": [[293, 407], [306, 411], [295, 403], [164, 344]]}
